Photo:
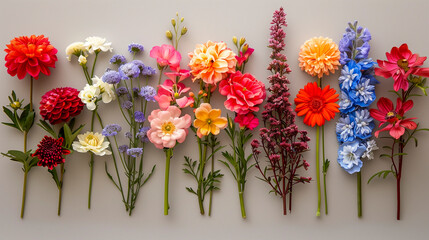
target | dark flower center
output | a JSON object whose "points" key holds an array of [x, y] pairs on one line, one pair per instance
{"points": [[403, 63], [316, 104]]}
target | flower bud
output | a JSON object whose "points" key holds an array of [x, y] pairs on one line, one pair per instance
{"points": [[173, 22], [184, 31], [15, 105], [191, 94], [181, 20], [82, 60], [245, 47], [205, 95], [234, 40], [200, 92], [242, 41], [169, 34]]}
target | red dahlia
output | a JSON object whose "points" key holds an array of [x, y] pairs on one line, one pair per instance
{"points": [[50, 152], [32, 55], [59, 104]]}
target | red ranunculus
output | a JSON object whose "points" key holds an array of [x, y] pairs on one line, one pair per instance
{"points": [[244, 93], [59, 104], [50, 152], [249, 120], [32, 55]]}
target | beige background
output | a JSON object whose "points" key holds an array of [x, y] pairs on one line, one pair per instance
{"points": [[121, 22]]}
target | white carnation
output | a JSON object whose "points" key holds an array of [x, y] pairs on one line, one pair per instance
{"points": [[107, 90], [76, 48], [89, 96], [93, 44]]}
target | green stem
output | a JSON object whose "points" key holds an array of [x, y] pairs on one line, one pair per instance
{"points": [[60, 188], [240, 195], [318, 173], [25, 141], [93, 65], [160, 75], [24, 190], [359, 193], [325, 170], [85, 72], [168, 155], [212, 170], [91, 163], [31, 94], [200, 179]]}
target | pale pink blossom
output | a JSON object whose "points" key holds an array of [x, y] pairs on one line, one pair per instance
{"points": [[166, 55]]}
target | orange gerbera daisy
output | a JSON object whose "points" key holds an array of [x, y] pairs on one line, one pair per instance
{"points": [[316, 104], [319, 56]]}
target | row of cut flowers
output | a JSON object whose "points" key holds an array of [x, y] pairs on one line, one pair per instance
{"points": [[279, 149]]}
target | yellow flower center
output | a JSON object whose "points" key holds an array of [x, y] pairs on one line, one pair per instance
{"points": [[92, 140], [209, 121], [244, 89], [168, 128], [403, 63], [390, 115]]}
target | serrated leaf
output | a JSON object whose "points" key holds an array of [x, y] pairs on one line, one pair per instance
{"points": [[383, 174]]}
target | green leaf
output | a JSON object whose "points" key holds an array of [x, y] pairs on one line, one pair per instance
{"points": [[385, 155], [45, 126], [191, 190], [11, 125], [13, 95], [67, 134], [400, 154], [383, 174], [29, 120]]}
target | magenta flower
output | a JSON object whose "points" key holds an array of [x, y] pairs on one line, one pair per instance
{"points": [[249, 120], [167, 127], [394, 118], [178, 76], [166, 55], [169, 93], [401, 62], [243, 57]]}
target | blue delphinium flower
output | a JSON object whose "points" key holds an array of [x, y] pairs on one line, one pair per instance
{"points": [[111, 77], [345, 129], [364, 124], [127, 105], [134, 152], [349, 156], [121, 91], [129, 70], [363, 51], [350, 74], [118, 59], [139, 117], [346, 105], [365, 35], [111, 130], [363, 94], [135, 48], [148, 93]]}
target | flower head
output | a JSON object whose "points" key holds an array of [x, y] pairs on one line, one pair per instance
{"points": [[316, 104], [168, 127], [212, 62], [118, 59], [364, 124], [129, 70], [166, 55], [135, 48], [50, 152], [319, 56], [148, 93], [111, 77], [401, 62], [59, 104], [148, 71], [170, 93], [97, 44], [134, 152], [89, 96], [82, 60], [178, 76], [248, 120], [244, 93], [345, 129], [91, 141], [76, 48], [208, 120], [111, 130], [106, 90], [32, 55], [123, 148], [244, 57], [349, 156], [393, 118], [139, 117], [371, 146], [127, 105]]}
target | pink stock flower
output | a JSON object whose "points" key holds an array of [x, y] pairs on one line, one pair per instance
{"points": [[401, 63], [243, 57], [179, 75], [167, 127], [249, 120], [244, 93], [166, 55], [169, 93], [394, 118]]}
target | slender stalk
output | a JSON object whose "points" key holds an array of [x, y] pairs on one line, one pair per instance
{"points": [[324, 170], [359, 193], [398, 179], [24, 190], [200, 179], [91, 163], [93, 65], [212, 170], [168, 155], [31, 94], [160, 75], [60, 188], [240, 196], [319, 200]]}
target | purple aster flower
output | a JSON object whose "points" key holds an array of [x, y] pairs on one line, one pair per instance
{"points": [[129, 70], [135, 152], [111, 130], [118, 59], [123, 148], [139, 64], [121, 91], [139, 117], [142, 134], [148, 93], [127, 105], [135, 48], [111, 77], [148, 71]]}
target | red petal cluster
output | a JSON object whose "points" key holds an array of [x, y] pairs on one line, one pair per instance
{"points": [[50, 152], [59, 104], [32, 55]]}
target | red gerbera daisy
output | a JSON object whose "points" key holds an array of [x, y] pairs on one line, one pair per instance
{"points": [[316, 104], [59, 104], [50, 152], [30, 55]]}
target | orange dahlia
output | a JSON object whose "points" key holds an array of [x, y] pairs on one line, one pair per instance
{"points": [[319, 56], [316, 104], [212, 62], [32, 55]]}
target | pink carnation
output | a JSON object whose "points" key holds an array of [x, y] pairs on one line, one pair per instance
{"points": [[167, 127], [244, 93], [249, 120], [166, 55], [170, 93]]}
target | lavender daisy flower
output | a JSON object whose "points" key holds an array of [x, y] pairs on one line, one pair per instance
{"points": [[129, 70], [127, 105], [111, 130], [123, 148], [135, 152], [135, 48], [148, 93], [111, 77], [121, 91], [139, 117], [118, 59]]}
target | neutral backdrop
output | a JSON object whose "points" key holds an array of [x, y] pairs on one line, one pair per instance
{"points": [[122, 22]]}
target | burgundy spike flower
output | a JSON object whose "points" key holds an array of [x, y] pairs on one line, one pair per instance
{"points": [[50, 152]]}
